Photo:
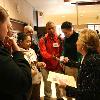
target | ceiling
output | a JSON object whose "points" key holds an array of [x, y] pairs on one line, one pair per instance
{"points": [[59, 7]]}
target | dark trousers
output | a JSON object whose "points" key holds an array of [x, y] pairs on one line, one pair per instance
{"points": [[35, 92]]}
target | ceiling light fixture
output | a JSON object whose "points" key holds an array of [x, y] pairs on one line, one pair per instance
{"points": [[63, 16]]}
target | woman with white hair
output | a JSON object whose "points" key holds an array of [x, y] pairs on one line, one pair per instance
{"points": [[88, 81], [34, 39], [28, 29]]}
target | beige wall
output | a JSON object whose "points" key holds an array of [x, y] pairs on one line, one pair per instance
{"points": [[78, 28], [58, 19], [22, 10], [19, 9], [86, 14]]}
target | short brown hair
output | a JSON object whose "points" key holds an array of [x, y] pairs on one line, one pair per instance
{"points": [[49, 23], [3, 15]]}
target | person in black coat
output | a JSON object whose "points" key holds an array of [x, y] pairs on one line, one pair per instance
{"points": [[15, 72], [70, 39], [70, 47], [88, 81]]}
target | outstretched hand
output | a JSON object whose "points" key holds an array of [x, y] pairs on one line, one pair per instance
{"points": [[41, 64], [65, 60]]}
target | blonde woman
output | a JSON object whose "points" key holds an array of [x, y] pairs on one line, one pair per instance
{"points": [[88, 82]]}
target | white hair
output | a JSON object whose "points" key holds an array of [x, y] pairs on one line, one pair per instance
{"points": [[28, 28]]}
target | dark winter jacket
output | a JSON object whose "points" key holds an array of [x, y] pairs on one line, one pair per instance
{"points": [[70, 49], [15, 75], [88, 82]]}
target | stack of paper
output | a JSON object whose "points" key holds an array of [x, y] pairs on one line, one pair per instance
{"points": [[55, 77]]}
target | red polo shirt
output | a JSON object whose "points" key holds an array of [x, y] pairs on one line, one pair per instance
{"points": [[47, 51]]}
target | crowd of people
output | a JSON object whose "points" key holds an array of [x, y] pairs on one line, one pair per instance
{"points": [[21, 71]]}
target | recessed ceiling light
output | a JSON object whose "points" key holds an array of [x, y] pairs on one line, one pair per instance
{"points": [[62, 16]]}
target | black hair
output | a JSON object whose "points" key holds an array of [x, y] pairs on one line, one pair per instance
{"points": [[66, 25], [49, 23], [35, 28], [97, 31], [21, 37]]}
